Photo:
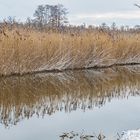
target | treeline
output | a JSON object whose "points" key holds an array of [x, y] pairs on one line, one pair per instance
{"points": [[45, 17], [55, 17]]}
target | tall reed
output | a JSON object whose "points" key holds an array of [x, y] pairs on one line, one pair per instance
{"points": [[26, 51]]}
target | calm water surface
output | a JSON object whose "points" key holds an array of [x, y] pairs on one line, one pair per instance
{"points": [[43, 106]]}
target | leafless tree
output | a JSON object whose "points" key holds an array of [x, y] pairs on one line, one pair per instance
{"points": [[137, 5], [51, 15]]}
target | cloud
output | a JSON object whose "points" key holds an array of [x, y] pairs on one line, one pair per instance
{"points": [[109, 15], [120, 17]]}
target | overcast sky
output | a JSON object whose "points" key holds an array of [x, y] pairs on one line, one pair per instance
{"points": [[123, 12]]}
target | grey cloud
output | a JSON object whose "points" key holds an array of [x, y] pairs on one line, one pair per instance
{"points": [[88, 10]]}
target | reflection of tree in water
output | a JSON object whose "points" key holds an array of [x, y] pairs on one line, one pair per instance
{"points": [[22, 97]]}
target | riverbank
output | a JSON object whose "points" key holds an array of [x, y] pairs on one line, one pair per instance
{"points": [[25, 51]]}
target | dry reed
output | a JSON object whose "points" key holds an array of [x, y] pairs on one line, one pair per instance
{"points": [[26, 51]]}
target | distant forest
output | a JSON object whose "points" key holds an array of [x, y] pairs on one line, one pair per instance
{"points": [[55, 18]]}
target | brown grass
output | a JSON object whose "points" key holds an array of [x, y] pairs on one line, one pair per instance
{"points": [[24, 51]]}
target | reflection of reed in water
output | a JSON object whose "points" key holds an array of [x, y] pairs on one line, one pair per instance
{"points": [[22, 97]]}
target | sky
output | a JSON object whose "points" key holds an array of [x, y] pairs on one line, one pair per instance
{"points": [[89, 12]]}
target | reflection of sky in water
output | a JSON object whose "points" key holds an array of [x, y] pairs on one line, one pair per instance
{"points": [[114, 117], [112, 93]]}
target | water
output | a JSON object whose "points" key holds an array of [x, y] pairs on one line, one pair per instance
{"points": [[43, 106]]}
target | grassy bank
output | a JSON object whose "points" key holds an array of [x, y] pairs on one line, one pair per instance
{"points": [[28, 50]]}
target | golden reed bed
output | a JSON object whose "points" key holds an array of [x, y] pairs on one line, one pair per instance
{"points": [[26, 51]]}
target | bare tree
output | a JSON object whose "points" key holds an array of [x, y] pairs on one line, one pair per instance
{"points": [[51, 15], [113, 26], [137, 5], [39, 15]]}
